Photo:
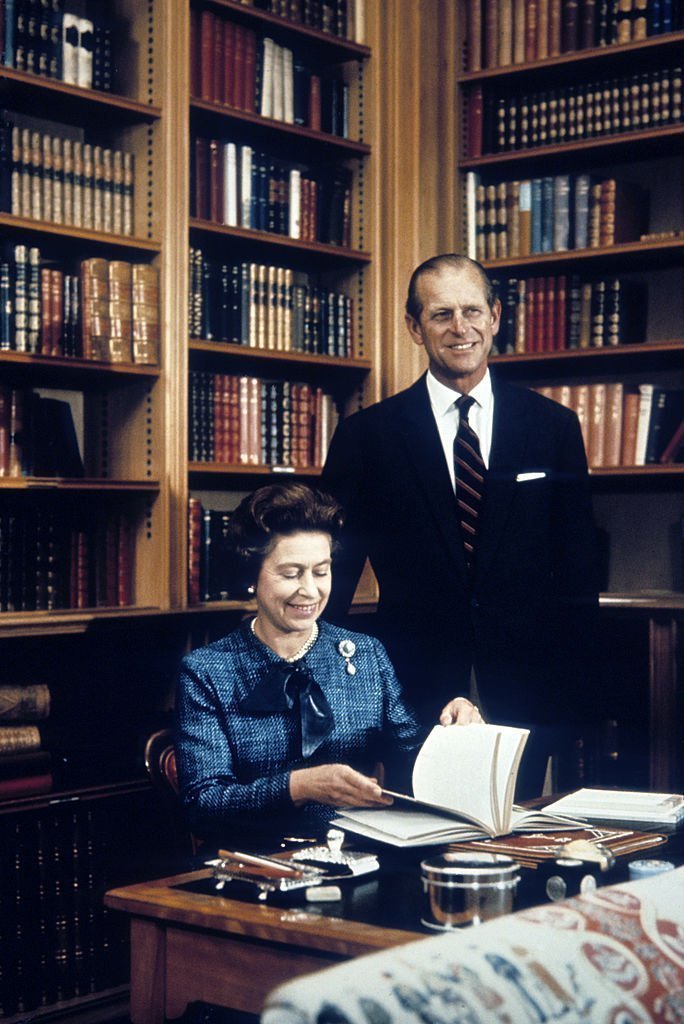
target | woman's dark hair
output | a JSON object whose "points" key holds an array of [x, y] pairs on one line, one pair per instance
{"points": [[271, 512]]}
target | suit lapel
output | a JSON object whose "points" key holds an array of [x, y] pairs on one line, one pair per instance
{"points": [[423, 448], [509, 443]]}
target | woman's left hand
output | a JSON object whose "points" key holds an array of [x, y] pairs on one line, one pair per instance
{"points": [[460, 711]]}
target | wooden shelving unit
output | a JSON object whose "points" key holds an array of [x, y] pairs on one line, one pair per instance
{"points": [[220, 484], [638, 508]]}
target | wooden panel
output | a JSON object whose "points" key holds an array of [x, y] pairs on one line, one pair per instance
{"points": [[148, 971], [413, 169], [231, 972]]}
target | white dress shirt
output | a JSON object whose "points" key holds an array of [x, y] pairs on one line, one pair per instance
{"points": [[481, 417]]}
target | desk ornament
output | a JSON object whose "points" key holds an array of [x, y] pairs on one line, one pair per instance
{"points": [[305, 868], [467, 888]]}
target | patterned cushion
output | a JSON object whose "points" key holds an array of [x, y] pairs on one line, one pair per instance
{"points": [[615, 956]]}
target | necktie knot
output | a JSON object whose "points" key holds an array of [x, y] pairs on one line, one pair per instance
{"points": [[464, 404]]}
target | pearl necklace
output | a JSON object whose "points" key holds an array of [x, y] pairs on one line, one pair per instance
{"points": [[304, 649]]}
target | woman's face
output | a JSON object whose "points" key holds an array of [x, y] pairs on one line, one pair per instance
{"points": [[294, 582]]}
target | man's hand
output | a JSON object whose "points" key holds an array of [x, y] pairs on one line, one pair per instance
{"points": [[460, 711], [337, 785]]}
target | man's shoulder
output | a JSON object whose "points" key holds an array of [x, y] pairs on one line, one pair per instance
{"points": [[388, 409], [530, 401]]}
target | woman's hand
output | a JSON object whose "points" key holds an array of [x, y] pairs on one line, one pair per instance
{"points": [[337, 785], [460, 711]]}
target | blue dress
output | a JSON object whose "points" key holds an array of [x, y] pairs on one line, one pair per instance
{"points": [[234, 767]]}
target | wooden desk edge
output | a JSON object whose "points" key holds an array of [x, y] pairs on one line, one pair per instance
{"points": [[163, 901]]}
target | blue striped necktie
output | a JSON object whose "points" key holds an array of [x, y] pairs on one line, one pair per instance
{"points": [[471, 475]]}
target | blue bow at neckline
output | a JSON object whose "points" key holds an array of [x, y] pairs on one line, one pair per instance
{"points": [[283, 687]]}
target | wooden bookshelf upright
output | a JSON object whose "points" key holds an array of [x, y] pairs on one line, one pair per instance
{"points": [[519, 122]]}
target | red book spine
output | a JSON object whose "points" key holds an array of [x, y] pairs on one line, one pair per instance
{"points": [[57, 312], [315, 103], [233, 428], [530, 293], [206, 52], [45, 312], [559, 329], [228, 59], [195, 57], [218, 62], [25, 786], [550, 343], [250, 71], [124, 563], [239, 68]]}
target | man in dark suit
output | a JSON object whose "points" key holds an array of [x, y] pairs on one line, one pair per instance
{"points": [[485, 590]]}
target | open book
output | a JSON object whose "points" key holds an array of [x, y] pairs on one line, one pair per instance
{"points": [[463, 784]]}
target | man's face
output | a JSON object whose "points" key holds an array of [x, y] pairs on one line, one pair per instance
{"points": [[456, 326]]}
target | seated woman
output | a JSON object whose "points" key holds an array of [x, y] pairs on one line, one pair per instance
{"points": [[282, 721]]}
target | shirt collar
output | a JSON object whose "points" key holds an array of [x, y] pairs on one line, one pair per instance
{"points": [[442, 398]]}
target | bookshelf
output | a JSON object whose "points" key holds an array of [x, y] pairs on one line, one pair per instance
{"points": [[70, 615], [507, 136], [292, 347]]}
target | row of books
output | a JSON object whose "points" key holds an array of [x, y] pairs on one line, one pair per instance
{"points": [[255, 422], [105, 310], [267, 307], [339, 17], [64, 180], [25, 767], [43, 37], [209, 566], [236, 185], [51, 558], [59, 941], [37, 435], [233, 66], [552, 214], [626, 426], [514, 121], [562, 312], [505, 32]]}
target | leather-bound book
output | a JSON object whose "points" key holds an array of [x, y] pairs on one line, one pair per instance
{"points": [[570, 26], [207, 55], [474, 35], [588, 24], [491, 33], [519, 22], [505, 33], [613, 424], [531, 31]]}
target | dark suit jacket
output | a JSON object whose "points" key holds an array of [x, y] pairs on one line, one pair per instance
{"points": [[525, 617]]}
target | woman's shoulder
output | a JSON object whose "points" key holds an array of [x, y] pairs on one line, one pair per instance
{"points": [[226, 646], [336, 634]]}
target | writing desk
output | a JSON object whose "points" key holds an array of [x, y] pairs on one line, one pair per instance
{"points": [[188, 945]]}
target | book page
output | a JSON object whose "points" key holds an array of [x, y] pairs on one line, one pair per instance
{"points": [[511, 745], [454, 769], [403, 827]]}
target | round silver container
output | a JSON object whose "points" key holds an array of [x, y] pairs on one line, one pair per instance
{"points": [[467, 888]]}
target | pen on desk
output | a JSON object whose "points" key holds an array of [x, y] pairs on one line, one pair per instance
{"points": [[258, 860]]}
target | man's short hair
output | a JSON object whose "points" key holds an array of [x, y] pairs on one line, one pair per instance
{"points": [[414, 306]]}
